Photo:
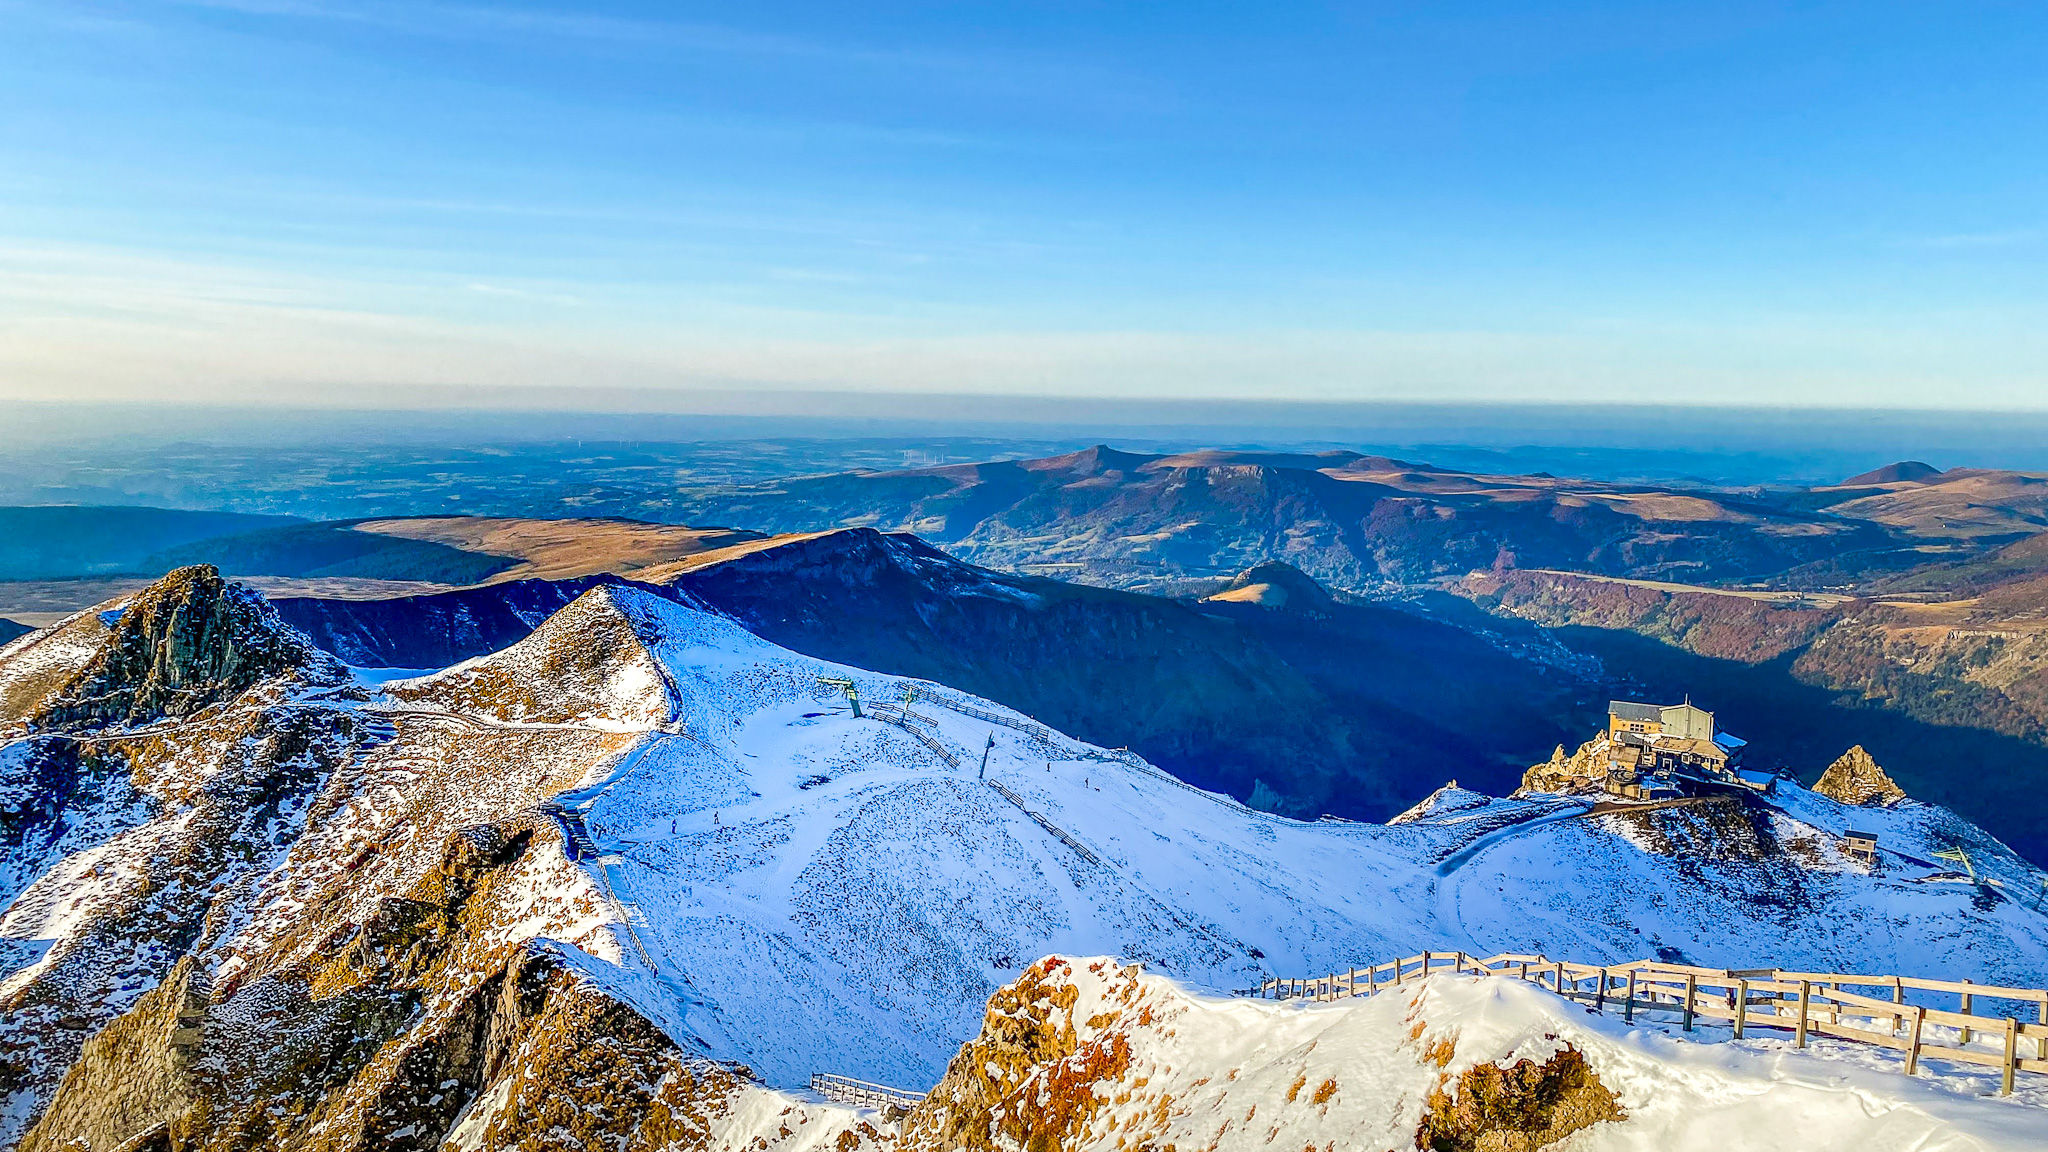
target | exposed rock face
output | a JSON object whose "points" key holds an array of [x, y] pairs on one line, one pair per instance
{"points": [[378, 1040], [1583, 769], [1028, 1080], [185, 643], [1523, 1108], [1856, 779]]}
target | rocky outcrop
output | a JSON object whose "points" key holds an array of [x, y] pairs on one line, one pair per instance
{"points": [[1522, 1108], [1029, 1079], [187, 642], [1583, 769], [1090, 1055], [1856, 779], [385, 1035]]}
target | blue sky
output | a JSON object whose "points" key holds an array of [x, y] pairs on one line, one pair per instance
{"points": [[1737, 202]]}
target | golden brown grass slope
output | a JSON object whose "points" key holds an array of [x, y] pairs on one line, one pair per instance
{"points": [[563, 549]]}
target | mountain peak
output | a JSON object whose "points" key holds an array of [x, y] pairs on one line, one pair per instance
{"points": [[1092, 461], [1275, 584], [186, 642], [589, 663], [1855, 778], [1901, 472]]}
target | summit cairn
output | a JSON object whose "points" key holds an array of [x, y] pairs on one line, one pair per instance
{"points": [[1856, 779]]}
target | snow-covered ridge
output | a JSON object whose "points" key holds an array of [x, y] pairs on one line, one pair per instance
{"points": [[1451, 1061], [776, 882]]}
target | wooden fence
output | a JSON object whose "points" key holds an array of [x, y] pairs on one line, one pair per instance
{"points": [[1801, 1003], [863, 1093]]}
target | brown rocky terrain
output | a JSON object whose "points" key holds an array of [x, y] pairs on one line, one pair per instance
{"points": [[1857, 779]]}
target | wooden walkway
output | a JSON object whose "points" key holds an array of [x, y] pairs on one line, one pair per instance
{"points": [[1802, 1003], [863, 1093]]}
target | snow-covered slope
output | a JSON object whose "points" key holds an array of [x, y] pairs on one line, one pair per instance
{"points": [[645, 804], [1085, 1055], [830, 893]]}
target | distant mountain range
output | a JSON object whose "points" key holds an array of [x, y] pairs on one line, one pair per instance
{"points": [[1325, 617], [1128, 519]]}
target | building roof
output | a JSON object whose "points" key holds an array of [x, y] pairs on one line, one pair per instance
{"points": [[1630, 710], [1752, 776], [1730, 742], [1853, 834], [1681, 744]]}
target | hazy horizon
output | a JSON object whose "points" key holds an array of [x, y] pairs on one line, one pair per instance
{"points": [[1724, 445], [233, 201]]}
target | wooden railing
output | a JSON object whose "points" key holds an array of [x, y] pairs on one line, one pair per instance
{"points": [[1798, 1002], [863, 1093]]}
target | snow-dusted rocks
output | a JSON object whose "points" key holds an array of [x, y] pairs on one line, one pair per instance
{"points": [[1855, 778], [423, 917], [1086, 1055]]}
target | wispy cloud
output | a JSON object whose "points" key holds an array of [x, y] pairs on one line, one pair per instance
{"points": [[472, 22], [2012, 238], [526, 294]]}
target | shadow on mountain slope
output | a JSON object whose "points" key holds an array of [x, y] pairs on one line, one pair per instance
{"points": [[1353, 711]]}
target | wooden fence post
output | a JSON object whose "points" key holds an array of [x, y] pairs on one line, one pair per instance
{"points": [[1559, 978], [1913, 1042], [1968, 1002], [2012, 1052], [1691, 986], [1898, 997], [1425, 963], [1741, 1006], [1805, 998], [1628, 1006], [1600, 996]]}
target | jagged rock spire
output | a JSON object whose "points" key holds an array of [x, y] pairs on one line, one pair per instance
{"points": [[1855, 778], [186, 642]]}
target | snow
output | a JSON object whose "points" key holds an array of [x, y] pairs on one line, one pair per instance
{"points": [[1236, 1071], [793, 888], [838, 898]]}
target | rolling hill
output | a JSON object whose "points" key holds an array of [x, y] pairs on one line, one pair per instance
{"points": [[1349, 520]]}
